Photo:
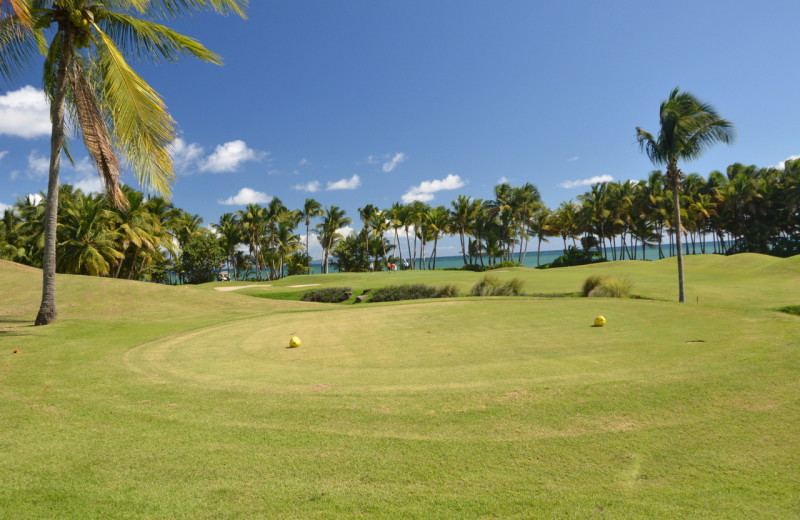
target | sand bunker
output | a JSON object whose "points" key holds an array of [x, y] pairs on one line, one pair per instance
{"points": [[237, 287]]}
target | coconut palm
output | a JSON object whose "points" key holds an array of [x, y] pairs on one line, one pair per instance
{"points": [[254, 224], [230, 234], [333, 220], [311, 209], [86, 73], [439, 220], [87, 242], [688, 128]]}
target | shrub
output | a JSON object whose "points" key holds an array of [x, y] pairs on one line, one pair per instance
{"points": [[328, 295], [477, 268], [491, 286], [393, 293], [575, 256], [591, 282], [612, 288], [201, 259]]}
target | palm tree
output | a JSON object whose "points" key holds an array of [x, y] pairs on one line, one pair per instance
{"points": [[85, 72], [274, 213], [311, 209], [366, 214], [333, 219], [438, 222], [687, 128], [254, 224], [230, 234], [87, 240], [462, 214]]}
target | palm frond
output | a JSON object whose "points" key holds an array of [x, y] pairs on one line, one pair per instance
{"points": [[175, 8], [95, 131], [141, 126], [151, 40], [18, 44]]}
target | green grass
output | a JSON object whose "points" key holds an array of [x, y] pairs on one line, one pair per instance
{"points": [[146, 401]]}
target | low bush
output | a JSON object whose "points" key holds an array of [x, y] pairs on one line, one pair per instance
{"points": [[393, 293], [575, 256], [611, 288], [491, 286], [482, 268], [328, 295]]}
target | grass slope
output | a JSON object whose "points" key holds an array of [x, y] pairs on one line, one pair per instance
{"points": [[146, 401]]}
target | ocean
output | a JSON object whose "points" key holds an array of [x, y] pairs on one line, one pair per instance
{"points": [[445, 262]]}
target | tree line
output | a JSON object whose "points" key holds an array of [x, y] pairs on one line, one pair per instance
{"points": [[744, 209]]}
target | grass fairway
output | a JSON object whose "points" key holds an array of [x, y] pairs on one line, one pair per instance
{"points": [[147, 401]]}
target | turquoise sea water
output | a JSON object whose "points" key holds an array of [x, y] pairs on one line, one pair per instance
{"points": [[444, 262]]}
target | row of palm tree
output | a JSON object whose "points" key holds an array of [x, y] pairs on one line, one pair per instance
{"points": [[744, 209]]}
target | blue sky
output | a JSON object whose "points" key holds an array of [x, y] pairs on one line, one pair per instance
{"points": [[357, 102]]}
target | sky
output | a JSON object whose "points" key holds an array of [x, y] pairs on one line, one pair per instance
{"points": [[361, 102]]}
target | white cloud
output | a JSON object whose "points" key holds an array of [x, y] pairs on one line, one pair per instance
{"points": [[246, 196], [3, 154], [346, 231], [345, 184], [373, 160], [391, 164], [86, 177], [13, 175], [38, 166], [185, 155], [227, 157], [780, 166], [24, 113], [304, 162], [502, 180], [425, 191], [573, 159], [34, 198], [587, 182], [4, 207], [311, 187]]}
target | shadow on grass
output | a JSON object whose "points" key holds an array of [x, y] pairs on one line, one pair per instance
{"points": [[11, 327], [791, 309]]}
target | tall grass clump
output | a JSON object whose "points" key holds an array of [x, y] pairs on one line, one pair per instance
{"points": [[592, 282], [607, 287], [492, 286]]}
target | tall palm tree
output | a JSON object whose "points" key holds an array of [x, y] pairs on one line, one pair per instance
{"points": [[254, 224], [438, 220], [688, 128], [85, 72], [230, 234], [311, 209], [462, 213], [366, 214], [275, 212], [333, 219]]}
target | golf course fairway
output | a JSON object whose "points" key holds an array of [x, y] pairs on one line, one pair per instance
{"points": [[149, 401]]}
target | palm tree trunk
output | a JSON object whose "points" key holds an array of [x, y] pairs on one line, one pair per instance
{"points": [[47, 309], [677, 209]]}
